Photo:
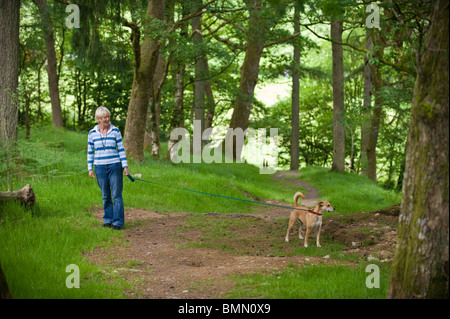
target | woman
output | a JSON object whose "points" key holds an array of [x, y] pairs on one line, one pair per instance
{"points": [[107, 155]]}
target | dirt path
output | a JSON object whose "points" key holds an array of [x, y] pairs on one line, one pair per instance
{"points": [[155, 260], [158, 257], [311, 194]]}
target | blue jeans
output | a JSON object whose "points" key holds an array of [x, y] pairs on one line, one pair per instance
{"points": [[110, 181]]}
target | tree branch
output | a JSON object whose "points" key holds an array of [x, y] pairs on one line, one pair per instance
{"points": [[399, 67], [285, 39], [408, 34], [197, 12], [135, 40], [237, 26], [233, 46]]}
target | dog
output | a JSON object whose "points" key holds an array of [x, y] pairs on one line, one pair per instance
{"points": [[312, 219]]}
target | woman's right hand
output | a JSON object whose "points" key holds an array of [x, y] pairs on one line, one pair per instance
{"points": [[91, 174]]}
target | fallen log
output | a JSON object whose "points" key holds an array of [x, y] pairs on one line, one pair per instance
{"points": [[25, 195]]}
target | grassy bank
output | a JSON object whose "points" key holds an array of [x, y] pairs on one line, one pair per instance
{"points": [[349, 192], [37, 246]]}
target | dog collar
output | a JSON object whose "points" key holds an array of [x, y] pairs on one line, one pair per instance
{"points": [[313, 212]]}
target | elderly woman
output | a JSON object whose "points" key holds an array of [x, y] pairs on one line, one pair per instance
{"points": [[107, 155]]}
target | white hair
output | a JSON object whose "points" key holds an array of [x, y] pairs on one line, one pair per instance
{"points": [[102, 111]]}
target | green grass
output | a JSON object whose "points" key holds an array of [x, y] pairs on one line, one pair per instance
{"points": [[37, 246], [240, 181], [37, 249], [313, 282]]}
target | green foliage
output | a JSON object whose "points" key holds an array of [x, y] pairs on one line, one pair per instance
{"points": [[95, 65], [52, 152], [316, 124]]}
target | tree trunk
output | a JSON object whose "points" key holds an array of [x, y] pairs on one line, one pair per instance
{"points": [[210, 104], [295, 136], [4, 289], [338, 99], [9, 66], [152, 132], [25, 195], [178, 70], [177, 120], [374, 124], [53, 85], [379, 45], [367, 105], [199, 83], [421, 264], [145, 60], [27, 97], [39, 110], [258, 28], [202, 97]]}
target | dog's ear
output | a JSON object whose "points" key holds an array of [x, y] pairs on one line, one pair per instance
{"points": [[320, 203]]}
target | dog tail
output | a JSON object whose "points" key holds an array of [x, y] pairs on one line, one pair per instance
{"points": [[296, 196]]}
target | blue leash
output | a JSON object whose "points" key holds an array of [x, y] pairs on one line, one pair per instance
{"points": [[226, 197]]}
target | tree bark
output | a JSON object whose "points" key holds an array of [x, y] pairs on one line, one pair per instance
{"points": [[338, 99], [53, 85], [420, 266], [24, 195], [152, 132], [9, 66], [145, 60], [295, 136]]}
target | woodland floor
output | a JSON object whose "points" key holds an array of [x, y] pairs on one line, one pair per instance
{"points": [[158, 255]]}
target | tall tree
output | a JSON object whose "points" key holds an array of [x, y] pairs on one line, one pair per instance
{"points": [[203, 95], [152, 130], [53, 85], [145, 61], [9, 66], [295, 148], [367, 104], [178, 68], [379, 44], [9, 76], [338, 98], [200, 69], [420, 266]]}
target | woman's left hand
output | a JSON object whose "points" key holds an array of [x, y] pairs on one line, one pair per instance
{"points": [[126, 170]]}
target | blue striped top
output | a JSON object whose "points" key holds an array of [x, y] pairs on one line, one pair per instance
{"points": [[103, 150]]}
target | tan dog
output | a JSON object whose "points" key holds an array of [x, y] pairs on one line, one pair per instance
{"points": [[312, 219]]}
